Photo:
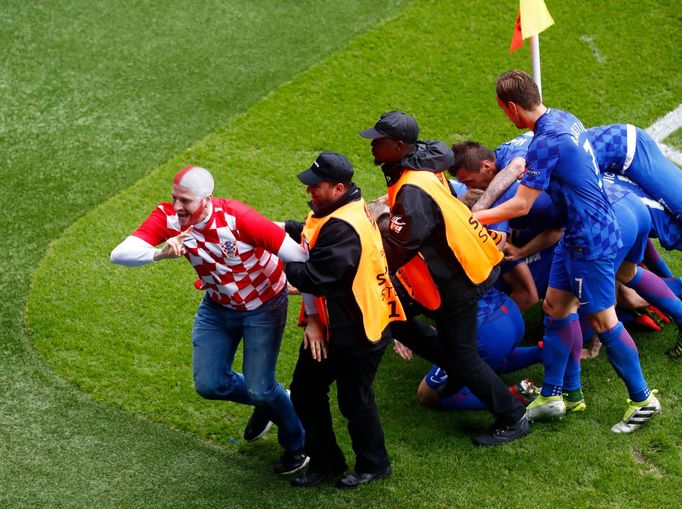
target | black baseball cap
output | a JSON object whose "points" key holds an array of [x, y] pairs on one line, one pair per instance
{"points": [[395, 125], [330, 167]]}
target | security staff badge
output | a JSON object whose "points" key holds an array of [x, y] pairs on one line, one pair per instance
{"points": [[397, 224]]}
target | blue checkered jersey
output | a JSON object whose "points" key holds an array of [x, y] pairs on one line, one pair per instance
{"points": [[663, 224], [511, 149], [489, 303], [560, 160], [610, 145], [614, 192], [543, 214]]}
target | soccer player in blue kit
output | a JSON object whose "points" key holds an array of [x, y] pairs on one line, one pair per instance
{"points": [[534, 235], [664, 226], [667, 230], [620, 149], [636, 221], [637, 214], [627, 150], [560, 160]]}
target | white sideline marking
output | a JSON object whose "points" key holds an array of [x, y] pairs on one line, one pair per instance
{"points": [[664, 127], [593, 46]]}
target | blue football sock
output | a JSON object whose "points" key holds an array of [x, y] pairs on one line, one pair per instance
{"points": [[572, 374], [557, 345], [654, 290], [462, 400], [622, 352], [654, 261], [675, 285]]}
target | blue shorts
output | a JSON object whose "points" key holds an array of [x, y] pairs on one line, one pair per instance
{"points": [[634, 222], [593, 282]]}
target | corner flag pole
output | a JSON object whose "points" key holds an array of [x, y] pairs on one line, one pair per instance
{"points": [[535, 60], [532, 18]]}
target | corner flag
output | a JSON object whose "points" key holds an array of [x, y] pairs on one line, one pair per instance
{"points": [[532, 18]]}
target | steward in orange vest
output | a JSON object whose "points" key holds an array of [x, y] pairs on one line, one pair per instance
{"points": [[445, 259], [474, 246], [347, 333], [372, 288]]}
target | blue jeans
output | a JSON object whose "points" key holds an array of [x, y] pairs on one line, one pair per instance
{"points": [[216, 335]]}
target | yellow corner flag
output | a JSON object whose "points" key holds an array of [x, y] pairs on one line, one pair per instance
{"points": [[533, 18]]}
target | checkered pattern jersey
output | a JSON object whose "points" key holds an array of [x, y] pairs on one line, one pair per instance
{"points": [[610, 145], [614, 191], [560, 160], [231, 251], [512, 149]]}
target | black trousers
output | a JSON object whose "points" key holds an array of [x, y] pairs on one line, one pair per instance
{"points": [[456, 324], [354, 375], [421, 338]]}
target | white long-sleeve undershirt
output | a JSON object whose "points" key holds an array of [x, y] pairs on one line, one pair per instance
{"points": [[133, 252]]}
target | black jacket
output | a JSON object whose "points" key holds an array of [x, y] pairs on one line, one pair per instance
{"points": [[423, 227], [329, 272]]}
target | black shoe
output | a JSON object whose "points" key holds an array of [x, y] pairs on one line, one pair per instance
{"points": [[503, 433], [290, 462], [259, 424], [309, 478], [355, 479]]}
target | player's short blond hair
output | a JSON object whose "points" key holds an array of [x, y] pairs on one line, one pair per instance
{"points": [[518, 87]]}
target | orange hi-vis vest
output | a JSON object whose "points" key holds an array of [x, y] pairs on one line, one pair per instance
{"points": [[473, 244], [372, 286]]}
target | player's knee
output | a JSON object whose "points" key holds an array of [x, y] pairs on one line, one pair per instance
{"points": [[548, 308], [427, 396], [626, 272], [209, 386], [525, 300], [206, 389], [603, 320]]}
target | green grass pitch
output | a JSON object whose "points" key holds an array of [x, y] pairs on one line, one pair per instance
{"points": [[104, 101]]}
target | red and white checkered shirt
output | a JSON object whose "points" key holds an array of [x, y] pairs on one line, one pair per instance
{"points": [[232, 251]]}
